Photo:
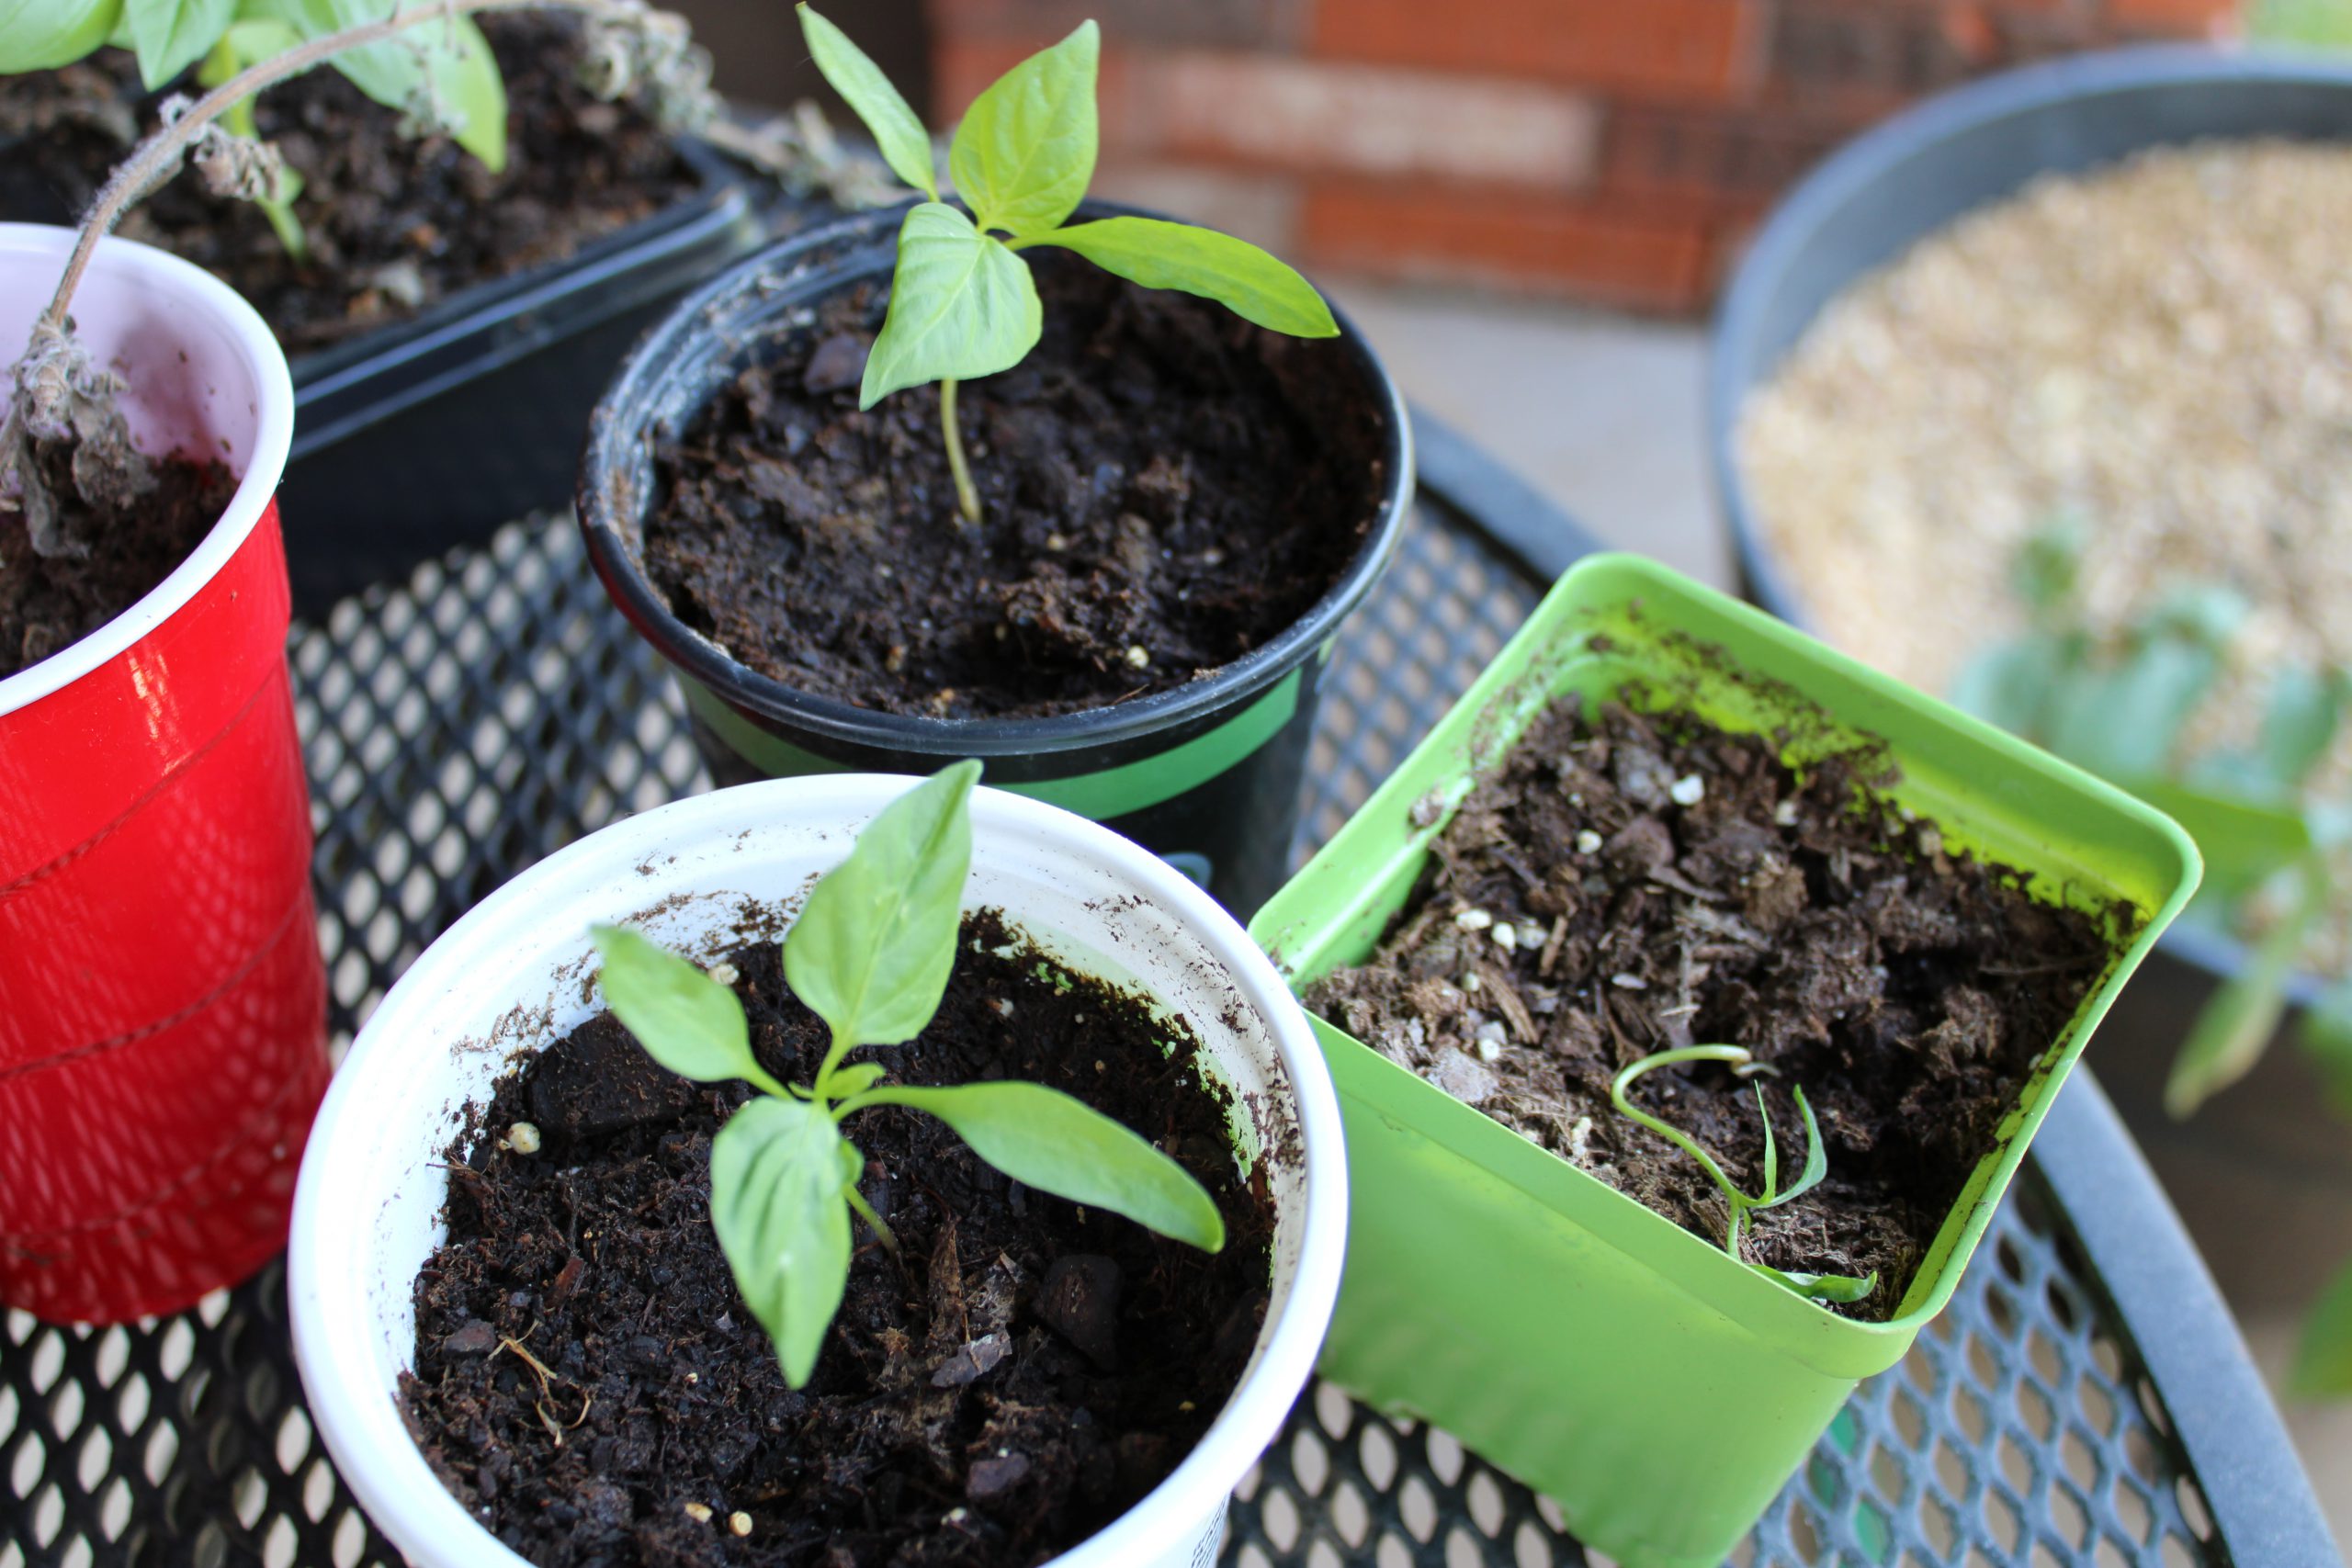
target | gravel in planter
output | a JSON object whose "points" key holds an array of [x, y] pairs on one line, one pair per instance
{"points": [[2162, 351], [1166, 487], [1027, 1372], [1629, 883], [394, 221]]}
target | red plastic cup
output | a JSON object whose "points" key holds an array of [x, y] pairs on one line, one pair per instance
{"points": [[162, 1038]]}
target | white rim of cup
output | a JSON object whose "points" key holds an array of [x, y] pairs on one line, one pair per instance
{"points": [[360, 1422], [199, 290]]}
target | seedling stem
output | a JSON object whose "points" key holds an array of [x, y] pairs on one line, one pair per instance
{"points": [[967, 499], [871, 954], [1743, 1063]]}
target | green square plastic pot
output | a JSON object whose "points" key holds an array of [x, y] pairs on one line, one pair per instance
{"points": [[1661, 1392]]}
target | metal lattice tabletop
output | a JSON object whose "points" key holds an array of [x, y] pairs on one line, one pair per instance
{"points": [[2083, 1401]]}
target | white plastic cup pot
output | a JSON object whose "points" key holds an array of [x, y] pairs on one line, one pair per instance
{"points": [[368, 1209]]}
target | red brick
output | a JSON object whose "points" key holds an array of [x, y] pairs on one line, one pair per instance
{"points": [[1584, 250], [1233, 23], [2182, 18], [1259, 207], [1347, 117], [1853, 61], [1701, 47], [1713, 160]]}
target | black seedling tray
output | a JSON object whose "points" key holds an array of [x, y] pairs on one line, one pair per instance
{"points": [[2086, 1399], [421, 436]]}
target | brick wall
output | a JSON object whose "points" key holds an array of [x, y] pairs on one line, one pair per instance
{"points": [[1612, 151]]}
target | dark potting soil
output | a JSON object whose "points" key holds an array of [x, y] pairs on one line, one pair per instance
{"points": [[394, 224], [49, 602], [1027, 1373], [1628, 882], [1165, 487]]}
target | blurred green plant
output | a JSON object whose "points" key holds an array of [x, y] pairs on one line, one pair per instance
{"points": [[2313, 24], [2120, 706]]}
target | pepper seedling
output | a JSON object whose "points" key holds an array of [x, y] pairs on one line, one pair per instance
{"points": [[870, 954], [962, 300], [1820, 1287]]}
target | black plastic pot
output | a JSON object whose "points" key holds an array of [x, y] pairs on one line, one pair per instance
{"points": [[431, 434], [1207, 775], [1965, 149]]}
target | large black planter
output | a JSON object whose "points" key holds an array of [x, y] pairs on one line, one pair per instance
{"points": [[1964, 150], [1207, 774], [421, 436]]}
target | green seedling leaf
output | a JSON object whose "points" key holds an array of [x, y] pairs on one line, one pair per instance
{"points": [[1050, 1141], [2012, 685], [248, 43], [2243, 845], [961, 305], [2324, 1033], [2305, 712], [1733, 1055], [41, 35], [1816, 1159], [442, 67], [855, 1078], [779, 1181], [1236, 274], [2322, 1364], [168, 36], [2206, 614], [2047, 566], [686, 1021], [871, 952], [2230, 1035], [896, 131], [1025, 153], [2125, 721], [1822, 1287]]}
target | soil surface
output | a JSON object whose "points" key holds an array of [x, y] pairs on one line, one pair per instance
{"points": [[1165, 487], [47, 602], [394, 224], [1638, 882], [1029, 1372]]}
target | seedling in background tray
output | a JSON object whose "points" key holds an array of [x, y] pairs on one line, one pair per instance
{"points": [[870, 954], [424, 57], [1821, 1287], [962, 300], [442, 78], [2122, 707]]}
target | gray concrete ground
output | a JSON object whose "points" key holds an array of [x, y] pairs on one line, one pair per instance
{"points": [[1604, 414], [1599, 411]]}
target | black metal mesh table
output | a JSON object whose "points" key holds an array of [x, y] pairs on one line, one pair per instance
{"points": [[2083, 1401]]}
